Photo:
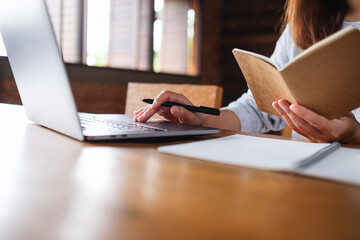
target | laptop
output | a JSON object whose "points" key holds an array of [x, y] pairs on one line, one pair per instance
{"points": [[44, 87]]}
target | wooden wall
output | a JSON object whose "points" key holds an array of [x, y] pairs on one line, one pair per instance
{"points": [[227, 24], [249, 25]]}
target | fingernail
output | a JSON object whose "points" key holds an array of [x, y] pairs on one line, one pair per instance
{"points": [[282, 104], [276, 107], [294, 108], [175, 110]]}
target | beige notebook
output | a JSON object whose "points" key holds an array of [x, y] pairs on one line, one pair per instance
{"points": [[324, 78]]}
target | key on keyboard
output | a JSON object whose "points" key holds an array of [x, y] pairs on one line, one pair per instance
{"points": [[94, 123]]}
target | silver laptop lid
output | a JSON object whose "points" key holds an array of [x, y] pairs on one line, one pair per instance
{"points": [[37, 66]]}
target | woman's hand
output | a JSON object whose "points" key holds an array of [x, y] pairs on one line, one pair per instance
{"points": [[317, 128], [175, 113]]}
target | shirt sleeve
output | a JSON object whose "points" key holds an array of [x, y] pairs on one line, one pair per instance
{"points": [[251, 118]]}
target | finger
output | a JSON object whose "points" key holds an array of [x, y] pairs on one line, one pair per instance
{"points": [[185, 116], [333, 130], [140, 110], [293, 126], [139, 113], [299, 122], [148, 113], [168, 96], [163, 111], [166, 113], [287, 119], [314, 119]]}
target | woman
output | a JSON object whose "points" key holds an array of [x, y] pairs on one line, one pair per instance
{"points": [[306, 22]]}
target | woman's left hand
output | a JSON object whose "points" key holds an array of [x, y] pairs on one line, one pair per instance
{"points": [[317, 128]]}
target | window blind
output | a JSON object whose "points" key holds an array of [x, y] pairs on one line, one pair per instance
{"points": [[130, 34], [54, 8], [173, 54], [71, 31]]}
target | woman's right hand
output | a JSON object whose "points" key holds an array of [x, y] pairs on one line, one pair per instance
{"points": [[175, 113]]}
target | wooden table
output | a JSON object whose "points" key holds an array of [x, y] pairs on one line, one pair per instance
{"points": [[54, 187]]}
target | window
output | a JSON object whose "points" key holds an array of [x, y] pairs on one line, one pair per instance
{"points": [[131, 34], [149, 35], [67, 20], [98, 32], [156, 35], [174, 35]]}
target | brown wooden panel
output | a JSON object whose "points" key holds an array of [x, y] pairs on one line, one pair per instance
{"points": [[99, 98], [249, 25], [9, 92], [211, 27], [89, 97]]}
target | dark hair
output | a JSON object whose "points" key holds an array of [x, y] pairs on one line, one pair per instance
{"points": [[313, 20]]}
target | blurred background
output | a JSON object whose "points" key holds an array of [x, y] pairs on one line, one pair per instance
{"points": [[108, 43]]}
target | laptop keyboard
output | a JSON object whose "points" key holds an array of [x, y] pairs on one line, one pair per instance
{"points": [[90, 123]]}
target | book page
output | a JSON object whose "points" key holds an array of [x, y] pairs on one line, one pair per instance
{"points": [[248, 151]]}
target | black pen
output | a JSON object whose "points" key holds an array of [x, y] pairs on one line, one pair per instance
{"points": [[201, 109]]}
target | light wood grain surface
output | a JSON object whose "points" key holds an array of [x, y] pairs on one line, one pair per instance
{"points": [[54, 187]]}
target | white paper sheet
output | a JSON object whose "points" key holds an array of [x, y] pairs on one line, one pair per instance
{"points": [[250, 151], [272, 154], [342, 165]]}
